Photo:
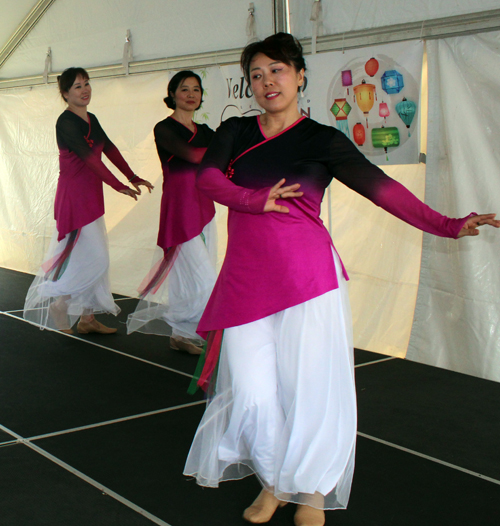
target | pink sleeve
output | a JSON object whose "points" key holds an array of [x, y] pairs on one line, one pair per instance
{"points": [[114, 155], [350, 167], [69, 132], [400, 202], [98, 167], [213, 183]]}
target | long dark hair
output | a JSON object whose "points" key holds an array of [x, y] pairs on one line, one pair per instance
{"points": [[67, 78], [174, 83]]}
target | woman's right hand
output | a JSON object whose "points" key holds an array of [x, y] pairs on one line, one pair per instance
{"points": [[130, 192], [278, 191]]}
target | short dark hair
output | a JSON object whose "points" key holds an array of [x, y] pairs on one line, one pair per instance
{"points": [[281, 46], [67, 78], [174, 83]]}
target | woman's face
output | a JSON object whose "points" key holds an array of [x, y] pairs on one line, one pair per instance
{"points": [[187, 96], [274, 83], [80, 93]]}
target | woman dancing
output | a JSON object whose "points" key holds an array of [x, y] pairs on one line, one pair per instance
{"points": [[73, 281], [284, 406], [187, 238]]}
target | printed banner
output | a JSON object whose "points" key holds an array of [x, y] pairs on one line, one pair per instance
{"points": [[371, 94]]}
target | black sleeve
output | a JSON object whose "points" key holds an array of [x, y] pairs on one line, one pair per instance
{"points": [[69, 134], [169, 140], [221, 149]]}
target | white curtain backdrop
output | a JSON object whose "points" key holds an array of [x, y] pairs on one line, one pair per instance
{"points": [[457, 316]]}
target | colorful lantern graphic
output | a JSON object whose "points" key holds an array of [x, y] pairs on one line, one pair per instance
{"points": [[347, 79], [341, 109], [392, 82], [385, 138], [371, 67], [383, 110], [358, 133], [406, 110], [365, 95]]}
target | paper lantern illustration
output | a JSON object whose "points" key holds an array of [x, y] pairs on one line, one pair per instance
{"points": [[383, 110], [385, 138], [347, 79], [406, 110], [371, 67], [365, 95], [358, 133], [341, 109], [392, 82]]}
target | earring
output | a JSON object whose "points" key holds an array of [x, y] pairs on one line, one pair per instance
{"points": [[302, 92]]}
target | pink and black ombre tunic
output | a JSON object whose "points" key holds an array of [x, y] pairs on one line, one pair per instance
{"points": [[73, 279], [185, 211], [275, 261], [175, 291], [79, 197]]}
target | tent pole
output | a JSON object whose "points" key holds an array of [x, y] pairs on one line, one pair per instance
{"points": [[281, 16]]}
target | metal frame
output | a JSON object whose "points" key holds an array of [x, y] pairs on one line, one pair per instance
{"points": [[281, 16], [24, 29], [438, 28]]}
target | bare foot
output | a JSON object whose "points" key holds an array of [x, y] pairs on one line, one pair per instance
{"points": [[263, 508], [60, 318], [182, 344]]}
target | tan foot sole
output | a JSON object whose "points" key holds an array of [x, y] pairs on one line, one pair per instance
{"points": [[263, 508], [84, 327], [180, 345]]}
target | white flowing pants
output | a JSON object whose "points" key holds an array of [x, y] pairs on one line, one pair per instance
{"points": [[82, 288], [285, 405], [176, 307]]}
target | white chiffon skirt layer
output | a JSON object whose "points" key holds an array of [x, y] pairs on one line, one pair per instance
{"points": [[81, 288], [176, 307], [285, 405]]}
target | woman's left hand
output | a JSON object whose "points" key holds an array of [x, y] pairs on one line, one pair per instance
{"points": [[470, 228], [141, 182], [278, 191]]}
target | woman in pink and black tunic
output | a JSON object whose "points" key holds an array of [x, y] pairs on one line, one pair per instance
{"points": [[73, 281], [284, 405], [176, 290]]}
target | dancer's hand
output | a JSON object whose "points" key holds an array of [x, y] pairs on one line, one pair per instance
{"points": [[278, 191], [470, 228], [130, 192], [142, 182]]}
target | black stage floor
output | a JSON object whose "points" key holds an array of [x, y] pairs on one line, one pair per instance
{"points": [[94, 431]]}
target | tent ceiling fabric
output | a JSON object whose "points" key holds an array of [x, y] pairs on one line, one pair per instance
{"points": [[341, 16], [93, 33]]}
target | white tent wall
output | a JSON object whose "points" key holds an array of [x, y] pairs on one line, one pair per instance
{"points": [[457, 316], [382, 257]]}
